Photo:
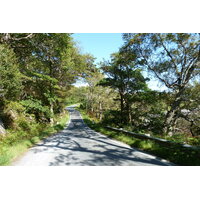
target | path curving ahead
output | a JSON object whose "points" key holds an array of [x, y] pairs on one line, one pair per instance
{"points": [[78, 145]]}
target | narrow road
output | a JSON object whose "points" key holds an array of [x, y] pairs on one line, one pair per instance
{"points": [[78, 145]]}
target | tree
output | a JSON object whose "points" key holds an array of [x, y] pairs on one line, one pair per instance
{"points": [[96, 99], [173, 58], [49, 63], [10, 76], [190, 108], [92, 80], [126, 79], [10, 80]]}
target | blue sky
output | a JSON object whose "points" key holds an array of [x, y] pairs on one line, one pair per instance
{"points": [[101, 45]]}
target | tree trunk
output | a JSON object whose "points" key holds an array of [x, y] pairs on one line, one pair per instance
{"points": [[92, 109], [52, 114], [2, 128], [172, 114], [122, 106], [100, 111], [170, 120], [129, 115]]}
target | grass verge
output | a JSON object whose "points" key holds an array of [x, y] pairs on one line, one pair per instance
{"points": [[16, 143], [174, 154]]}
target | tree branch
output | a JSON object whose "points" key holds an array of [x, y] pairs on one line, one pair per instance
{"points": [[169, 54], [151, 68], [191, 68], [22, 38]]}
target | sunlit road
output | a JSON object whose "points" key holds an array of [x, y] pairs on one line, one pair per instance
{"points": [[78, 145]]}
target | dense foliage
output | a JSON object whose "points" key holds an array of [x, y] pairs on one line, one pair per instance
{"points": [[36, 73], [174, 59]]}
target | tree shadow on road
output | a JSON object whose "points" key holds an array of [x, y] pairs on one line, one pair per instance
{"points": [[79, 145]]}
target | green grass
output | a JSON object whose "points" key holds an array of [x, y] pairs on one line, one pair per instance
{"points": [[8, 153], [174, 154], [16, 143]]}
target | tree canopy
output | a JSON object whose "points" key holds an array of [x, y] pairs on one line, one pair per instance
{"points": [[174, 58], [38, 70]]}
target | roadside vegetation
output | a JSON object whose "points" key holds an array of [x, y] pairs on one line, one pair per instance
{"points": [[17, 142], [174, 154], [118, 95], [118, 92], [38, 72]]}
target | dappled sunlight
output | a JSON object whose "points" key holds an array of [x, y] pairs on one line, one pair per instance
{"points": [[79, 145]]}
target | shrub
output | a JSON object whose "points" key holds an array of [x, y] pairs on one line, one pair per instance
{"points": [[35, 106]]}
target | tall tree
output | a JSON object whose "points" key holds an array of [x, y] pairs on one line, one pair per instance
{"points": [[173, 58], [10, 76], [49, 63], [125, 78]]}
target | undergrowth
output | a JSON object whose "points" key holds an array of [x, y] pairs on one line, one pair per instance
{"points": [[17, 142], [174, 154]]}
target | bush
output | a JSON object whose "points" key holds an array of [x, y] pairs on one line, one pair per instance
{"points": [[193, 140], [112, 117], [34, 106], [24, 125]]}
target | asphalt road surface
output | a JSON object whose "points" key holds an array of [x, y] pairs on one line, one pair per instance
{"points": [[78, 145]]}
